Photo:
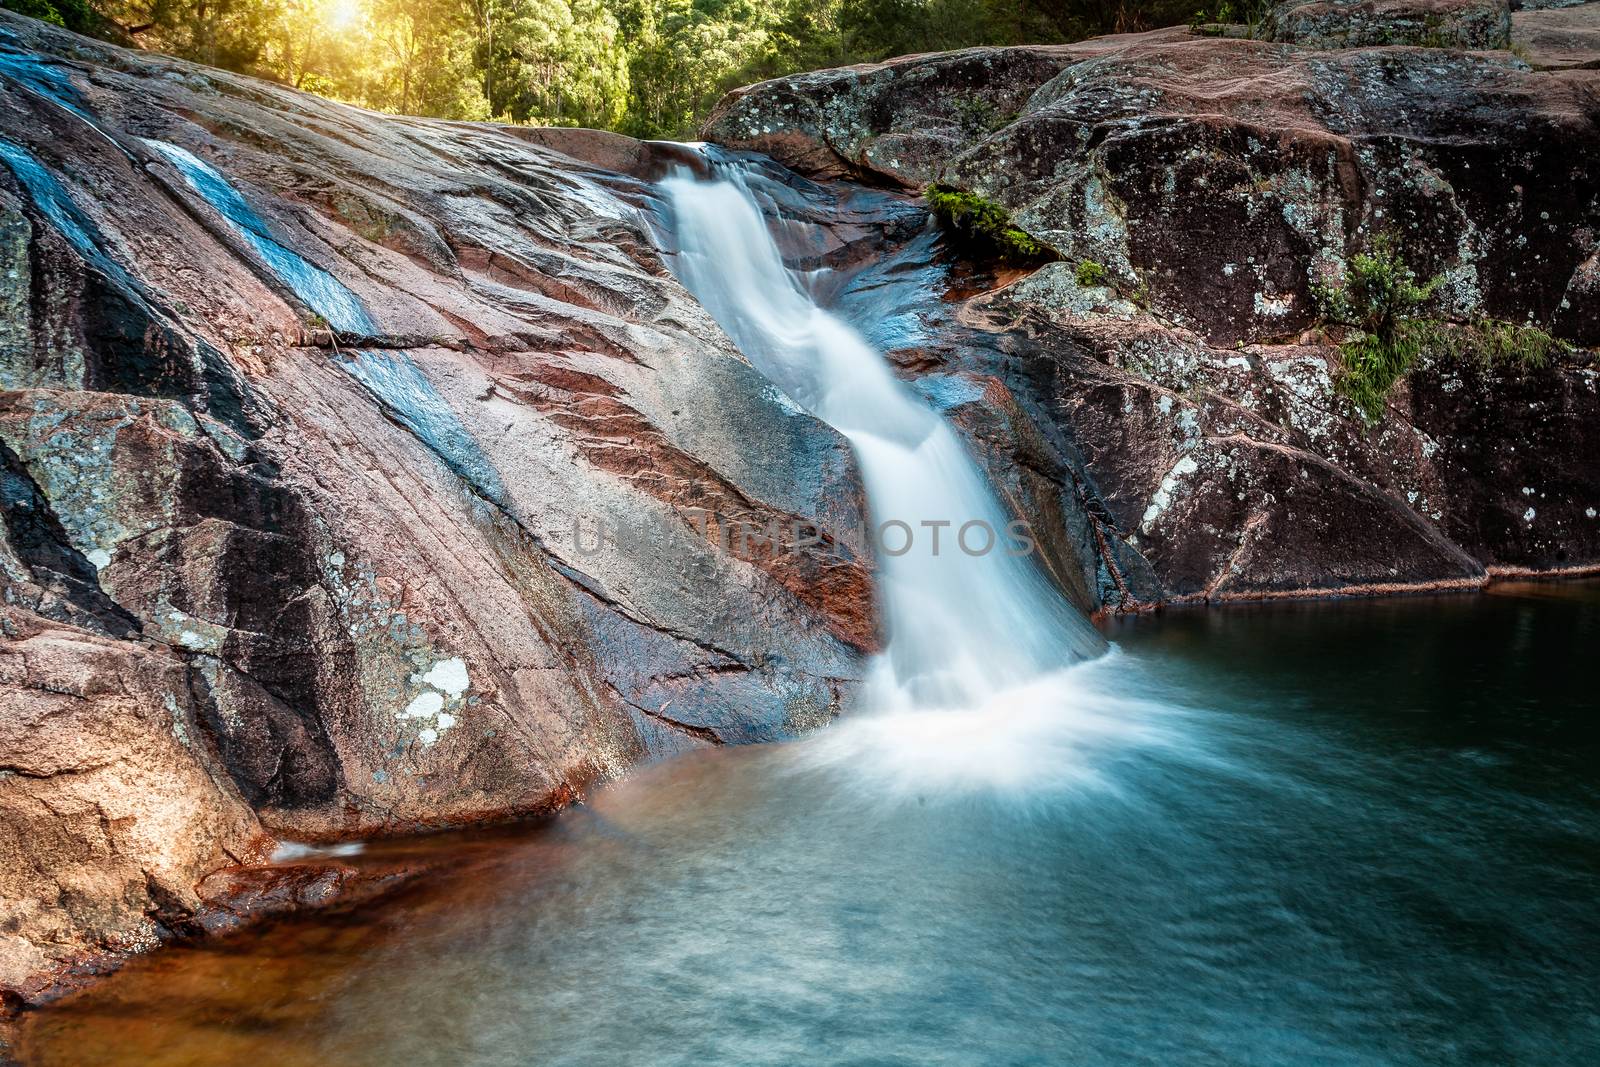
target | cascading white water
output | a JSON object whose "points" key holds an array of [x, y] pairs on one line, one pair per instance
{"points": [[962, 627]]}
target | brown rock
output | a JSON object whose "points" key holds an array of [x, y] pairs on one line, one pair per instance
{"points": [[112, 807], [324, 407], [1366, 23], [1224, 178], [1558, 38]]}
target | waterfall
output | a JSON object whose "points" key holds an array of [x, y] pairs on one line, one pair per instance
{"points": [[968, 617]]}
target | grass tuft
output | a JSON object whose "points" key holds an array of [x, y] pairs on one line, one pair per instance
{"points": [[1378, 298]]}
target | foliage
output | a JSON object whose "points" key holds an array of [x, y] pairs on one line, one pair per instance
{"points": [[1379, 299], [74, 15], [1486, 342], [1380, 291], [651, 68], [1372, 364], [1251, 13], [985, 225], [1091, 274]]}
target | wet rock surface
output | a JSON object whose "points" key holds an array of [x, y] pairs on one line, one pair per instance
{"points": [[366, 461], [1187, 385]]}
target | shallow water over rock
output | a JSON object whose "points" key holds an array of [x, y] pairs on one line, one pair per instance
{"points": [[1336, 833]]}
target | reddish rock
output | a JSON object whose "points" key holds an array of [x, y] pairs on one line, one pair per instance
{"points": [[1223, 179], [1195, 440], [113, 805], [1558, 38]]}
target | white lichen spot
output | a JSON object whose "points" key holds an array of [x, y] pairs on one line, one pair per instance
{"points": [[100, 558], [1527, 516], [191, 640], [1590, 512], [425, 706], [449, 675], [1273, 306], [1163, 495], [428, 735], [1165, 404], [1527, 490]]}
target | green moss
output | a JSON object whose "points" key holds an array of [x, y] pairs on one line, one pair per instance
{"points": [[977, 117], [1091, 274], [985, 225]]}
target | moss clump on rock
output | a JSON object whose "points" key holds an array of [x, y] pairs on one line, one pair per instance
{"points": [[1489, 342], [1091, 274], [985, 225]]}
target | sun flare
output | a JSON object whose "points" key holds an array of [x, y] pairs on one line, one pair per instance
{"points": [[342, 14]]}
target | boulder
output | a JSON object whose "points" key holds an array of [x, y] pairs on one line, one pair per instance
{"points": [[1558, 38], [1224, 180], [113, 808], [1365, 23]]}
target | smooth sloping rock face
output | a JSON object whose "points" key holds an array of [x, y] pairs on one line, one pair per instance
{"points": [[111, 807], [1365, 23], [1190, 402], [394, 440]]}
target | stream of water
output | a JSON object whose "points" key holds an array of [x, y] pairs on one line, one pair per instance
{"points": [[965, 627]]}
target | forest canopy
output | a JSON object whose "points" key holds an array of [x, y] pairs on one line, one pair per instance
{"points": [[650, 68]]}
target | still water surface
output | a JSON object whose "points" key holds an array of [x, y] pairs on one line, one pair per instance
{"points": [[1350, 833]]}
